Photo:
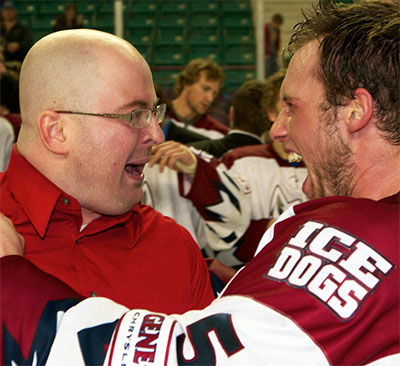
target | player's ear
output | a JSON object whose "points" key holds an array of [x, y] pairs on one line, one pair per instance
{"points": [[359, 110], [52, 132], [185, 84]]}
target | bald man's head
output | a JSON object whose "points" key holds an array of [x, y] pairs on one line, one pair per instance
{"points": [[62, 69], [69, 80]]}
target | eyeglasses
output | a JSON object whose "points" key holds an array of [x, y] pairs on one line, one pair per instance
{"points": [[139, 118]]}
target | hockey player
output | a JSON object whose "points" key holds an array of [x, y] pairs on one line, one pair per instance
{"points": [[196, 87]]}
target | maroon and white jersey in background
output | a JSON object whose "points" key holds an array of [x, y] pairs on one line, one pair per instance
{"points": [[229, 202], [323, 289], [206, 223], [269, 185]]}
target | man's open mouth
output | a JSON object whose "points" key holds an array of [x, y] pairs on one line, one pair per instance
{"points": [[134, 169]]}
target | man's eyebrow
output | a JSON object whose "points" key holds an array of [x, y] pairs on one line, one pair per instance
{"points": [[138, 103], [288, 99]]}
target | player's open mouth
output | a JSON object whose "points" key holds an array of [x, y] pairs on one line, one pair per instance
{"points": [[135, 170], [294, 157]]}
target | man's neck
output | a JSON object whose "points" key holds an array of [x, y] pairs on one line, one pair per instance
{"points": [[88, 216], [378, 179], [182, 110], [380, 186]]}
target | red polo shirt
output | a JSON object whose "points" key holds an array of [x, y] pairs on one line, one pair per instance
{"points": [[140, 259]]}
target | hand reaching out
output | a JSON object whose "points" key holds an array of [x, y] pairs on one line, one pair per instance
{"points": [[11, 242], [175, 156]]}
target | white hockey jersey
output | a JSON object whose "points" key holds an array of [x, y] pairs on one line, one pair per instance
{"points": [[227, 198]]}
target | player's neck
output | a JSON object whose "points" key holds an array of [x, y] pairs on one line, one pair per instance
{"points": [[182, 109], [378, 179]]}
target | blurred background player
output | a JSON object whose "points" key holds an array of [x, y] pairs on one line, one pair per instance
{"points": [[196, 88]]}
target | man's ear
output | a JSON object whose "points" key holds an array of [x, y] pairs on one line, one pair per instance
{"points": [[359, 110], [52, 132], [185, 85]]}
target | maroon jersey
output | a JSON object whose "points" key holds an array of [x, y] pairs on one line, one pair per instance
{"points": [[30, 300], [333, 268]]}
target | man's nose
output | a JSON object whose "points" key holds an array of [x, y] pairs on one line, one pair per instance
{"points": [[210, 96], [155, 132], [278, 131]]}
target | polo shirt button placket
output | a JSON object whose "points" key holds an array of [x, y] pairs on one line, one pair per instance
{"points": [[66, 201], [93, 294]]}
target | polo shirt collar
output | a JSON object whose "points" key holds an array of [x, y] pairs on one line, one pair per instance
{"points": [[39, 198], [36, 194]]}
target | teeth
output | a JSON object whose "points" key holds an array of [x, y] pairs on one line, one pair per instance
{"points": [[133, 169], [294, 157]]}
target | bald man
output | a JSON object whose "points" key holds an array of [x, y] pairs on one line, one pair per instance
{"points": [[74, 184]]}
